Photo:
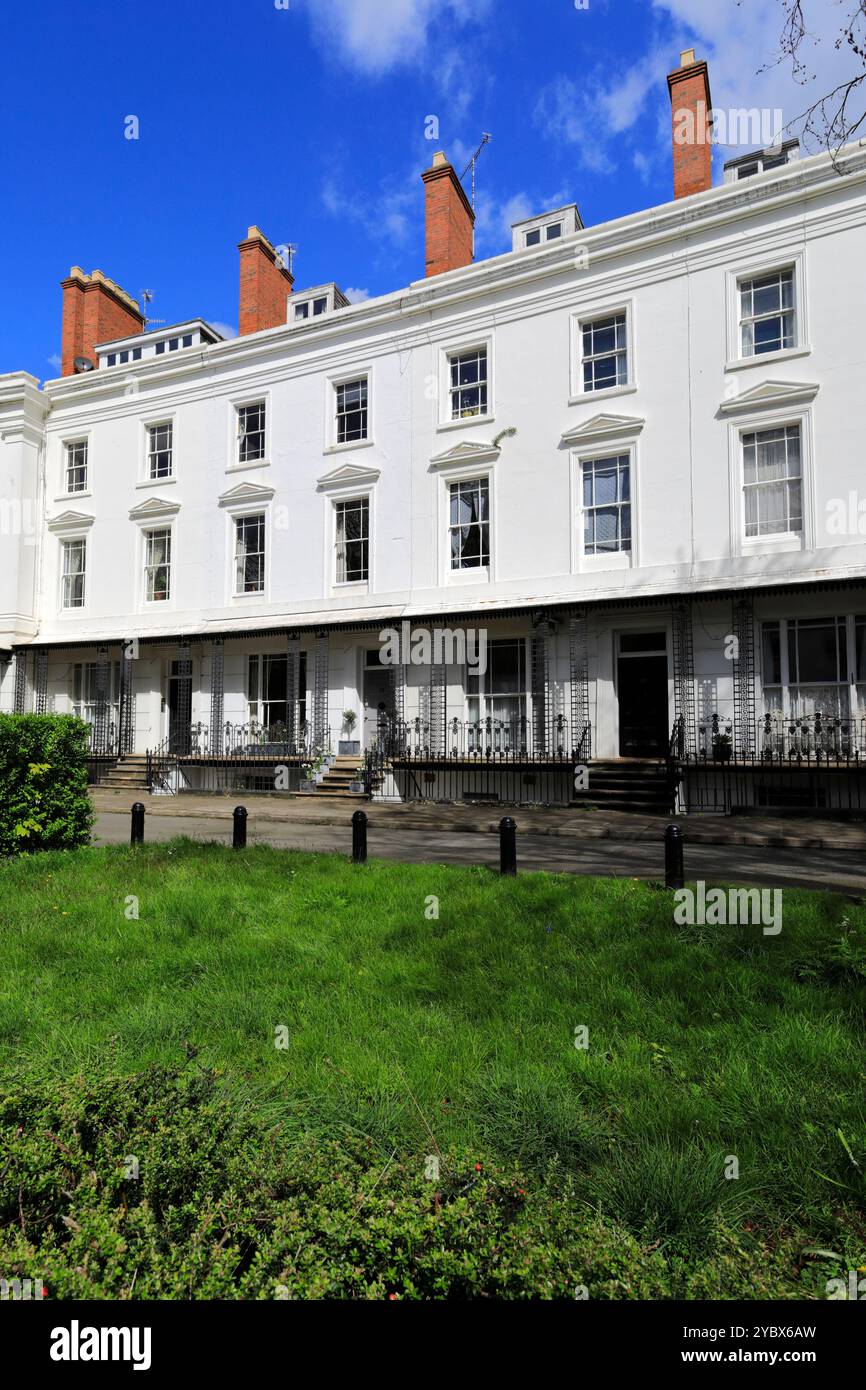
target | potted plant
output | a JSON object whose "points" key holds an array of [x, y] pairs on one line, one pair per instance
{"points": [[348, 746], [308, 778], [722, 745]]}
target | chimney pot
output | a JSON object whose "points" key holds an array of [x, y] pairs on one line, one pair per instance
{"points": [[687, 57]]}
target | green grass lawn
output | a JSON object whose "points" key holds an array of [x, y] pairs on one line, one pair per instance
{"points": [[409, 1035]]}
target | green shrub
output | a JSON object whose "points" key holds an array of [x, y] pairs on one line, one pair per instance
{"points": [[157, 1186], [43, 782]]}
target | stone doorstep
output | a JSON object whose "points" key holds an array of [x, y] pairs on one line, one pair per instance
{"points": [[625, 826]]}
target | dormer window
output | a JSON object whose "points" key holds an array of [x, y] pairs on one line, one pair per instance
{"points": [[302, 311], [746, 166], [550, 226], [551, 232], [319, 306]]}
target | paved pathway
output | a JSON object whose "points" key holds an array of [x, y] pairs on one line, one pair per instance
{"points": [[308, 811], [842, 869]]}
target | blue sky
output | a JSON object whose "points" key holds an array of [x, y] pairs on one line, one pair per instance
{"points": [[308, 119]]}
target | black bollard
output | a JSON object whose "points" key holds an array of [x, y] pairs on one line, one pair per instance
{"points": [[359, 837], [136, 835], [674, 872], [508, 846], [239, 827]]}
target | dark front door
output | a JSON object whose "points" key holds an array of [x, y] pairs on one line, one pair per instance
{"points": [[642, 684]]}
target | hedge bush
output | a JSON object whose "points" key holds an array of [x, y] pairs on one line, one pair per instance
{"points": [[43, 782], [157, 1186]]}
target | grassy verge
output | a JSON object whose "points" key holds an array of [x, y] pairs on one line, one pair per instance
{"points": [[335, 1025]]}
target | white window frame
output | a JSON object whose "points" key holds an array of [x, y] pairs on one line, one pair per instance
{"points": [[68, 442], [583, 318], [613, 559], [752, 269], [757, 422], [153, 529], [236, 404], [781, 313], [456, 349], [332, 382], [249, 514], [336, 502], [65, 541], [157, 423]]}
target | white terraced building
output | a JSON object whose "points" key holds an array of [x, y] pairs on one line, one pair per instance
{"points": [[631, 454]]}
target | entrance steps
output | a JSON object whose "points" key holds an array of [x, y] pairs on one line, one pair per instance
{"points": [[129, 773], [335, 784], [627, 784]]}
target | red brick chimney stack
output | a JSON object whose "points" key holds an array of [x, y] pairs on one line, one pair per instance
{"points": [[95, 310], [449, 219], [691, 107], [265, 285]]}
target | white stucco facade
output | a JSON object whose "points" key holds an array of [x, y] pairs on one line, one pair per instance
{"points": [[679, 422]]}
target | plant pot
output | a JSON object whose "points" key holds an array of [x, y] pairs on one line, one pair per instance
{"points": [[306, 786], [356, 786], [349, 748]]}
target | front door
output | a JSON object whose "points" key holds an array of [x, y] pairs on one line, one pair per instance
{"points": [[179, 713], [377, 691], [642, 687]]}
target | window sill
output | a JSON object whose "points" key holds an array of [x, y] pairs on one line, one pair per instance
{"points": [[763, 359], [479, 575], [615, 560], [769, 545], [353, 444], [72, 496], [249, 598], [157, 482], [584, 397], [242, 467], [467, 422], [350, 586]]}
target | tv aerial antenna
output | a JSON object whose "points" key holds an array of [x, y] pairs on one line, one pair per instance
{"points": [[147, 298], [287, 256], [485, 140]]}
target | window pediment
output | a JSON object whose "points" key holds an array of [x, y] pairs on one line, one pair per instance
{"points": [[245, 494], [466, 452], [348, 475], [154, 509], [770, 393], [606, 425], [70, 521]]}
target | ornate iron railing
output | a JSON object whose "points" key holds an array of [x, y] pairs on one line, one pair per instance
{"points": [[806, 738]]}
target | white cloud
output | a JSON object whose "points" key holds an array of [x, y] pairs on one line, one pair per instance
{"points": [[374, 36], [228, 330], [600, 115], [357, 296], [390, 213], [742, 45], [495, 218], [55, 361]]}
